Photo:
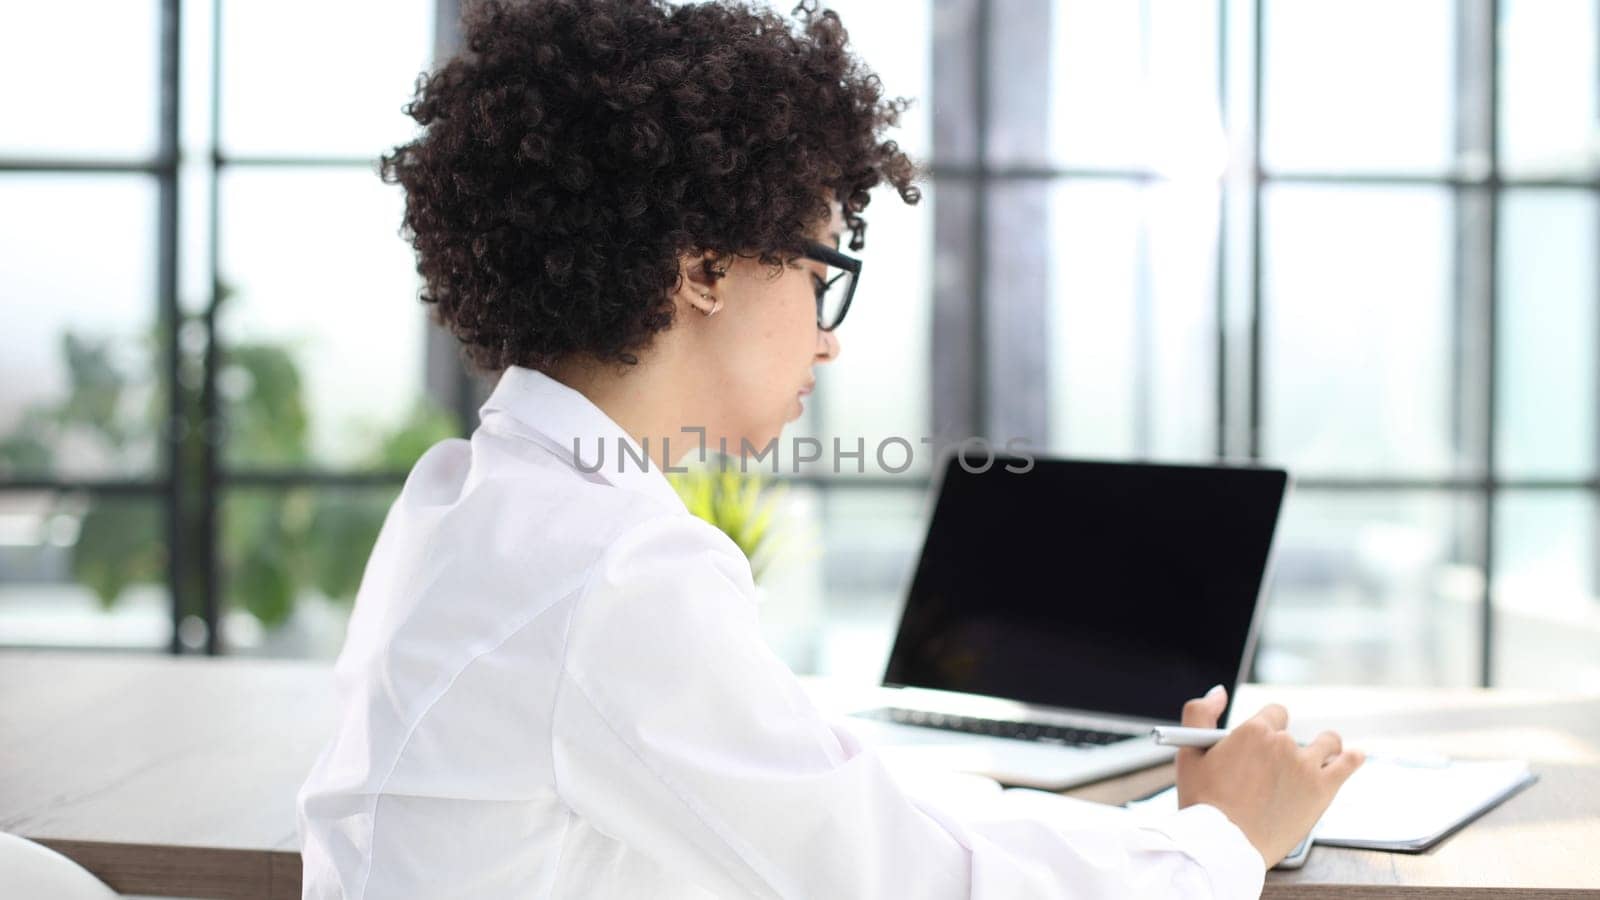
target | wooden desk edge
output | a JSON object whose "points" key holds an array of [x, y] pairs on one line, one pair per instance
{"points": [[231, 874], [219, 873], [1290, 891]]}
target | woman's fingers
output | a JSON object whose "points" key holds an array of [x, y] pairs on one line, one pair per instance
{"points": [[1203, 712], [1274, 715], [1324, 747], [1341, 767]]}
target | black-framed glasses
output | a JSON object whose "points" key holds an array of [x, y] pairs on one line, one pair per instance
{"points": [[835, 291]]}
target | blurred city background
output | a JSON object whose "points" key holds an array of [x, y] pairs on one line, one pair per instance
{"points": [[1357, 239]]}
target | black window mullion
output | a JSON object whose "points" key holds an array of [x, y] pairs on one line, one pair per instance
{"points": [[1595, 492], [1007, 173], [1489, 45], [1143, 301], [295, 162], [1477, 194], [170, 317], [979, 337], [1471, 273], [1220, 249], [116, 487], [290, 478], [211, 425], [1258, 43], [152, 166], [1253, 184]]}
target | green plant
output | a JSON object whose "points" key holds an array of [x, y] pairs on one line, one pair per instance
{"points": [[277, 543], [740, 504], [273, 544]]}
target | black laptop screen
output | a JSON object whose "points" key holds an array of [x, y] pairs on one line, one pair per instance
{"points": [[1120, 588]]}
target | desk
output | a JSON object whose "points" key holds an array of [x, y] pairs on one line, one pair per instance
{"points": [[167, 776]]}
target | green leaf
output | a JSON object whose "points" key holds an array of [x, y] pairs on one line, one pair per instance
{"points": [[274, 544], [95, 395], [119, 543], [268, 421], [427, 425], [740, 504], [343, 530], [264, 587], [29, 449]]}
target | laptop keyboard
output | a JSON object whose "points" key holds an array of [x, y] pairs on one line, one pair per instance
{"points": [[1024, 731]]}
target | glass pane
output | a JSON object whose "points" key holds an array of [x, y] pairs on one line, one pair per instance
{"points": [[323, 334], [1358, 330], [1095, 319], [1549, 108], [876, 390], [1180, 349], [311, 78], [1014, 296], [894, 40], [1131, 317], [79, 570], [1372, 588], [951, 98], [791, 585], [80, 82], [292, 560], [832, 607], [953, 384], [78, 338], [196, 54], [1547, 614], [1019, 49], [1130, 85], [1548, 328], [1359, 85]]}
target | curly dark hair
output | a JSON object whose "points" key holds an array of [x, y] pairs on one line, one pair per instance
{"points": [[574, 150]]}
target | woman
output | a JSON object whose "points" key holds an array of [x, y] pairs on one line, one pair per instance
{"points": [[553, 683]]}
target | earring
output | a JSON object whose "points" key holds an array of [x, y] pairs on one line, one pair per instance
{"points": [[715, 305]]}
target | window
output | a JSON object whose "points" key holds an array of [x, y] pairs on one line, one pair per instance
{"points": [[1270, 231], [1242, 230], [219, 361]]}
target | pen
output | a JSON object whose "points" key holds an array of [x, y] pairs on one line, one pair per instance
{"points": [[1178, 736]]}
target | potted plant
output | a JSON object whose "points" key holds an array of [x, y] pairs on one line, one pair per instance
{"points": [[752, 511], [740, 504]]}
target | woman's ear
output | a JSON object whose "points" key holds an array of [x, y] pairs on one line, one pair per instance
{"points": [[698, 276]]}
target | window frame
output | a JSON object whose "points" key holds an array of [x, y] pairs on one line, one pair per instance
{"points": [[961, 342]]}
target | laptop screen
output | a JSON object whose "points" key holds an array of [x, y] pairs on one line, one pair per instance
{"points": [[1114, 587]]}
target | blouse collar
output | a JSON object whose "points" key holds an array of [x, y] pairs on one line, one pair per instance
{"points": [[562, 418]]}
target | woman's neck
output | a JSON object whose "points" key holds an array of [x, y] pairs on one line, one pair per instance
{"points": [[648, 400]]}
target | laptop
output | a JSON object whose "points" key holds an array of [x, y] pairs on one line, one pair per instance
{"points": [[1060, 610]]}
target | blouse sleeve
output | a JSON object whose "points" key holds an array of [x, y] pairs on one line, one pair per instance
{"points": [[678, 732]]}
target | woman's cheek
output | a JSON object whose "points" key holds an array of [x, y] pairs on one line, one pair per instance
{"points": [[805, 315]]}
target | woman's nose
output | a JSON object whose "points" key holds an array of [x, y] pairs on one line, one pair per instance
{"points": [[827, 345]]}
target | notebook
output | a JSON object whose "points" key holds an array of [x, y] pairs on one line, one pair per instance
{"points": [[1402, 804]]}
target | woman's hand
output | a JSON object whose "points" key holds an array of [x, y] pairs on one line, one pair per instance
{"points": [[1261, 779]]}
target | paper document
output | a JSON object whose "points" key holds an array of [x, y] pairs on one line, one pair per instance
{"points": [[1391, 803]]}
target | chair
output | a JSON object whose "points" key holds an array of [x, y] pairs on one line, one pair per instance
{"points": [[28, 869]]}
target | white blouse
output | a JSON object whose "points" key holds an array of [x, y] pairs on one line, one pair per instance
{"points": [[554, 685]]}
